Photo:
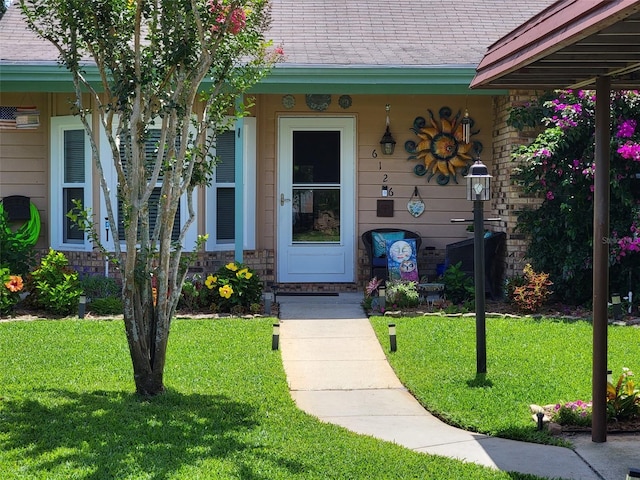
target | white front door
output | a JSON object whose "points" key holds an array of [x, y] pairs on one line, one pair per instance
{"points": [[316, 199]]}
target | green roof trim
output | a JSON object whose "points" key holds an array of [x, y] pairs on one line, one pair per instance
{"points": [[346, 79], [354, 79]]}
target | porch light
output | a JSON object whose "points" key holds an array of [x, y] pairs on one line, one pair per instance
{"points": [[388, 143], [478, 182]]}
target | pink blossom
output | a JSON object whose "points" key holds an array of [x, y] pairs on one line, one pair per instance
{"points": [[630, 151], [543, 152], [550, 195], [626, 129]]}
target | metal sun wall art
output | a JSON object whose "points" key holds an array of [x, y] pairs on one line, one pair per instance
{"points": [[442, 150]]}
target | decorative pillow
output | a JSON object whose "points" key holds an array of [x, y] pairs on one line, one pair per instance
{"points": [[402, 260], [379, 241]]}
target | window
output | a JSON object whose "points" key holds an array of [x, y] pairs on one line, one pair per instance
{"points": [[231, 147], [70, 181], [151, 146], [182, 213]]}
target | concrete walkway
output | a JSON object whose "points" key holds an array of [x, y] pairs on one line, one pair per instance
{"points": [[338, 372]]}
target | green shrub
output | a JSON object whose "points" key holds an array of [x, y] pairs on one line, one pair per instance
{"points": [[97, 286], [458, 286], [234, 285], [10, 286], [106, 306], [623, 398], [18, 256], [573, 413], [401, 294], [233, 288], [54, 286]]}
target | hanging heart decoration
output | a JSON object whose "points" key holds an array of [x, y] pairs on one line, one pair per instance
{"points": [[415, 204]]}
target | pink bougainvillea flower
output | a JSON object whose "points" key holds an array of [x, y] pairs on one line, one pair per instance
{"points": [[550, 195], [626, 129], [630, 151], [15, 283]]}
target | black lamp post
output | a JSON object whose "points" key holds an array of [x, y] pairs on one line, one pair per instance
{"points": [[479, 191]]}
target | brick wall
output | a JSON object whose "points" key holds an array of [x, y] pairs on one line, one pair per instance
{"points": [[508, 199]]}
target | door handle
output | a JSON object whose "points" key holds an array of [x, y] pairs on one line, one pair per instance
{"points": [[283, 200]]}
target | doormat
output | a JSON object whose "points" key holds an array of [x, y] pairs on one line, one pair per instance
{"points": [[307, 294]]}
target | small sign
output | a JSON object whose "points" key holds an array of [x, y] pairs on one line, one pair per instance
{"points": [[385, 208]]}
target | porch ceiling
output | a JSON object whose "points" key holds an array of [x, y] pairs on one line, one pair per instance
{"points": [[568, 45]]}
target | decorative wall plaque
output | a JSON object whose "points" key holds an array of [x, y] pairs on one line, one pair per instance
{"points": [[288, 101], [345, 101], [441, 150], [318, 102]]}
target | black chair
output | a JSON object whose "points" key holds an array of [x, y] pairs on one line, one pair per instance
{"points": [[378, 265], [494, 252]]}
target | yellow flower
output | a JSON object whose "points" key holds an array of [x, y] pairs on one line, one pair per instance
{"points": [[210, 281], [226, 291], [244, 273], [231, 266], [14, 284]]}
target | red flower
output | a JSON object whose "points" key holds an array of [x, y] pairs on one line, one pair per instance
{"points": [[14, 284]]}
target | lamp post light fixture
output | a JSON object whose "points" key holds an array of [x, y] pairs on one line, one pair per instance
{"points": [[387, 143], [275, 338], [82, 306], [616, 306], [382, 298], [479, 191], [393, 346]]}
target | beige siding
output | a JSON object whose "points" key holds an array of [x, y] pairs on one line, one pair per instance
{"points": [[442, 202], [24, 153]]}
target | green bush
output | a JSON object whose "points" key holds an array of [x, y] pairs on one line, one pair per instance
{"points": [[235, 285], [16, 255], [458, 286], [97, 286], [233, 288], [401, 294], [54, 286], [623, 398], [10, 286], [106, 306]]}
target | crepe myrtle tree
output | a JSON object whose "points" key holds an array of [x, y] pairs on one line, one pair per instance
{"points": [[176, 65]]}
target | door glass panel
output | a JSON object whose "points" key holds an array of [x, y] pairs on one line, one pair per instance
{"points": [[316, 214], [316, 157]]}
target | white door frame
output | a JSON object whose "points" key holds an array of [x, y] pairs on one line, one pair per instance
{"points": [[307, 261]]}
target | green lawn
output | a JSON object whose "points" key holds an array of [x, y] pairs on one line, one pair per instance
{"points": [[67, 411], [529, 361]]}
